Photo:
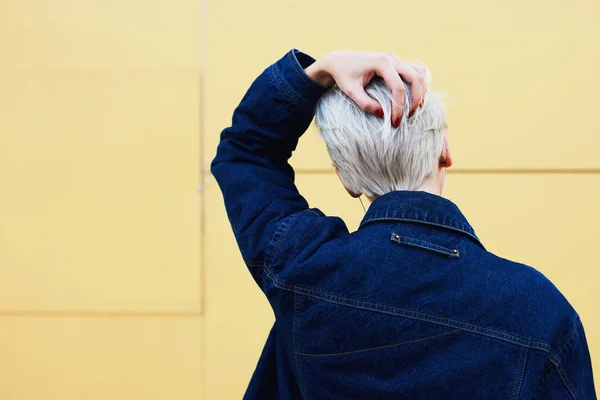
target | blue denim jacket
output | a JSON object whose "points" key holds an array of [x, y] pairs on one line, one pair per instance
{"points": [[410, 306]]}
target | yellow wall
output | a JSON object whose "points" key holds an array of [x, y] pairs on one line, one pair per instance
{"points": [[100, 290], [119, 279]]}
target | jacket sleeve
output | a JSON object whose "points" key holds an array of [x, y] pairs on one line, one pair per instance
{"points": [[251, 165], [573, 377]]}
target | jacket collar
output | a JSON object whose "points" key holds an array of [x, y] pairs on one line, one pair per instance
{"points": [[418, 207]]}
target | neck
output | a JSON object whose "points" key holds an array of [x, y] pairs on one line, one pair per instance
{"points": [[430, 186], [434, 184]]}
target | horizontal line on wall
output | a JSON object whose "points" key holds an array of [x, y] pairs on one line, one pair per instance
{"points": [[88, 68], [99, 313], [480, 171]]}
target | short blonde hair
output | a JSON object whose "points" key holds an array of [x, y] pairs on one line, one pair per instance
{"points": [[372, 156]]}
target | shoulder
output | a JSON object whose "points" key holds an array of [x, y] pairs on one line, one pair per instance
{"points": [[539, 310], [302, 234]]}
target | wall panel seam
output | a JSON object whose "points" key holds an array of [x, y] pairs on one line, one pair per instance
{"points": [[483, 171], [99, 313]]}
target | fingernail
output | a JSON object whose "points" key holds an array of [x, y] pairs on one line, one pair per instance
{"points": [[422, 102], [379, 112], [410, 114], [396, 121]]}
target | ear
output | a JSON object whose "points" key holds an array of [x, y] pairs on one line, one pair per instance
{"points": [[351, 193], [446, 157]]}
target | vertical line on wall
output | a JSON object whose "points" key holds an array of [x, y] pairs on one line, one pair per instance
{"points": [[202, 152], [203, 345]]}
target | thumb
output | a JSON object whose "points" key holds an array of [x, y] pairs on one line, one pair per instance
{"points": [[364, 101]]}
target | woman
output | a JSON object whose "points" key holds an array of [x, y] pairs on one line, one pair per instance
{"points": [[410, 306]]}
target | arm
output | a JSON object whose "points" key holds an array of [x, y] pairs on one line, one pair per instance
{"points": [[251, 165]]}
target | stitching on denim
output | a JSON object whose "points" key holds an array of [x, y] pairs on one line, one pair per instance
{"points": [[454, 324], [380, 347], [422, 222], [279, 233], [383, 307], [255, 265], [417, 315], [289, 219], [284, 87], [252, 263], [567, 382], [423, 244], [281, 85], [546, 374], [296, 323], [519, 373], [512, 391], [569, 338], [559, 368], [300, 72], [523, 369]]}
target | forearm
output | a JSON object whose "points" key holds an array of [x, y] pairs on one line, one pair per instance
{"points": [[273, 114]]}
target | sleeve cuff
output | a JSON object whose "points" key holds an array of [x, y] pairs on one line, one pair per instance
{"points": [[289, 74]]}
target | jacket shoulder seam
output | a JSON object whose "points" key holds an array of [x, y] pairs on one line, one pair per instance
{"points": [[565, 380], [279, 233], [563, 354], [569, 339]]}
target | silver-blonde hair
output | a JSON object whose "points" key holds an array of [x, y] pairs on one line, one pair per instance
{"points": [[372, 156]]}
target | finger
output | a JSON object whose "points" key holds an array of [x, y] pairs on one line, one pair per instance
{"points": [[416, 80], [423, 70], [419, 68], [364, 101], [387, 71]]}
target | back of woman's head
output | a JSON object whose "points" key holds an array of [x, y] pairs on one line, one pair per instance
{"points": [[372, 156]]}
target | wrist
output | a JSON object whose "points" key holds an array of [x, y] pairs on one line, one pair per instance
{"points": [[318, 73]]}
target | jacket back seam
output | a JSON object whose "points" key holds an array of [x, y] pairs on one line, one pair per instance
{"points": [[334, 299], [295, 330], [519, 373]]}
